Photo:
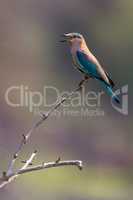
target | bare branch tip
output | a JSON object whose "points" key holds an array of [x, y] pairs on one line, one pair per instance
{"points": [[80, 165], [35, 152]]}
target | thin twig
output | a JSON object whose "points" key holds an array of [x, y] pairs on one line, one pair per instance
{"points": [[29, 161]]}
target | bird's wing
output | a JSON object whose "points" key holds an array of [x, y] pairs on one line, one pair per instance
{"points": [[89, 64]]}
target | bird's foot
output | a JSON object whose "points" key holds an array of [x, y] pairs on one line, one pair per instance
{"points": [[83, 81]]}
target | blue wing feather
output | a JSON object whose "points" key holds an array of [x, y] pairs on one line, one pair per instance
{"points": [[90, 68], [86, 65]]}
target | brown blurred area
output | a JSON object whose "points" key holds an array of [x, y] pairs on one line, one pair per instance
{"points": [[31, 55]]}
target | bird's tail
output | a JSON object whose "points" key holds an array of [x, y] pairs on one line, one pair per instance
{"points": [[112, 94]]}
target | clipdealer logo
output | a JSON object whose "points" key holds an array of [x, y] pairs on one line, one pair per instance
{"points": [[33, 100], [123, 92]]}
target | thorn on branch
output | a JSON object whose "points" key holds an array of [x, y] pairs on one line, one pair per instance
{"points": [[4, 174], [24, 139], [64, 99], [23, 161], [15, 156], [43, 115], [58, 160], [35, 151]]}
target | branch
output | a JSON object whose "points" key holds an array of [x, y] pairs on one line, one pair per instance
{"points": [[77, 163], [4, 180], [9, 176], [43, 117]]}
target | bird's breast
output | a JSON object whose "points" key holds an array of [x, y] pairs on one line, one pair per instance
{"points": [[76, 64]]}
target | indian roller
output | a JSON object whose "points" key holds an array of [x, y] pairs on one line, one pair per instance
{"points": [[87, 63]]}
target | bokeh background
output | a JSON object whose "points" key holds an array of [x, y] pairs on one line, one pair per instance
{"points": [[31, 55]]}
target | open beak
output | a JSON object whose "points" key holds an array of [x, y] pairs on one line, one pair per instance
{"points": [[64, 38]]}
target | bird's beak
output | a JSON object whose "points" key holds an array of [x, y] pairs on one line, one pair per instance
{"points": [[64, 38]]}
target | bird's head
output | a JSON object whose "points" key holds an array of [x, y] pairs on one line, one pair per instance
{"points": [[72, 38]]}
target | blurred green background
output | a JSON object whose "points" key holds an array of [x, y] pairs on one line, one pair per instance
{"points": [[31, 55]]}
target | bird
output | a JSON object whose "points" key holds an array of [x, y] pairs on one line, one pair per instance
{"points": [[87, 63]]}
